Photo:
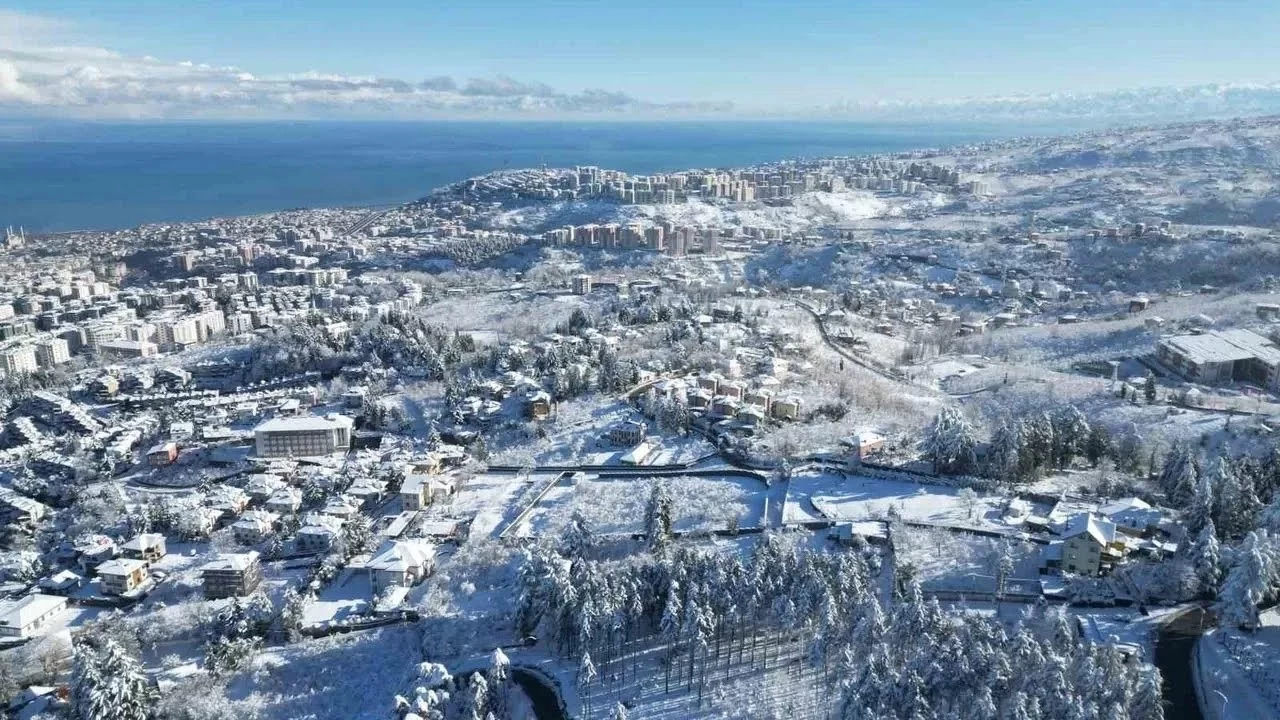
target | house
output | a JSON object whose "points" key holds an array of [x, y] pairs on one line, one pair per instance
{"points": [[232, 575], [1089, 545], [340, 507], [787, 408], [63, 582], [20, 509], [284, 501], [863, 445], [253, 527], [627, 433], [122, 575], [25, 618], [304, 436], [366, 491], [750, 415], [639, 454], [145, 546], [538, 405], [401, 563], [262, 486], [1132, 515], [92, 551], [418, 490], [317, 534], [163, 454], [1223, 356]]}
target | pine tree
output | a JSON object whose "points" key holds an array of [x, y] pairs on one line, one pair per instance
{"points": [[1206, 560], [109, 684], [949, 442], [1200, 514], [1003, 454], [1098, 444], [1149, 389], [1250, 581], [1071, 432], [658, 517]]}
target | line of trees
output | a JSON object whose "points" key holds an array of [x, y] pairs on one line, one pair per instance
{"points": [[704, 611]]}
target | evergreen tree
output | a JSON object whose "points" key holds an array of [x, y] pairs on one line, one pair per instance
{"points": [[1200, 514], [949, 442], [1250, 582], [1070, 432], [658, 517], [1149, 388], [1206, 559], [1003, 453], [1098, 444], [109, 684]]}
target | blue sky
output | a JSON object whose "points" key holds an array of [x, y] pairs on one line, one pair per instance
{"points": [[759, 56]]}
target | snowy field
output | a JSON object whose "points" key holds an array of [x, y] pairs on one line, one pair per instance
{"points": [[617, 505], [817, 496], [809, 211], [343, 677], [488, 497], [946, 560]]}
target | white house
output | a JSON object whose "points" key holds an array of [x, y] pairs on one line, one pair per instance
{"points": [[401, 563], [254, 526], [25, 618], [317, 534]]}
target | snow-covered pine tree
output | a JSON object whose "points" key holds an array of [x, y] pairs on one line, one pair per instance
{"points": [[1003, 453], [1206, 560], [949, 442], [1070, 432], [109, 684], [1200, 512], [1250, 581]]}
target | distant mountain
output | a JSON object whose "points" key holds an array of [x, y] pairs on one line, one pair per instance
{"points": [[1157, 103]]}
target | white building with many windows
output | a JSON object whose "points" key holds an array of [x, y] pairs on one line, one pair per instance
{"points": [[305, 436]]}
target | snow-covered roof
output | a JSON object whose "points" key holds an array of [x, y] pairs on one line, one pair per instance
{"points": [[143, 541], [29, 609], [403, 555], [1102, 531], [121, 566], [232, 561], [1129, 503], [304, 423]]}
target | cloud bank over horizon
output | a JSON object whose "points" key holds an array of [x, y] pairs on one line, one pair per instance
{"points": [[44, 76]]}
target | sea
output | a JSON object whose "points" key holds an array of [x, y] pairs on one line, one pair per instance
{"points": [[60, 176]]}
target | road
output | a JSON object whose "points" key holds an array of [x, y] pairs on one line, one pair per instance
{"points": [[545, 700], [1174, 646]]}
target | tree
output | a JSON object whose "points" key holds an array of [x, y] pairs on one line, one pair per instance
{"points": [[1179, 476], [1149, 388], [1250, 581], [356, 537], [1098, 444], [109, 684], [1206, 560], [1071, 433], [1236, 506], [968, 500], [949, 442], [619, 712], [1003, 454], [1200, 514], [658, 517]]}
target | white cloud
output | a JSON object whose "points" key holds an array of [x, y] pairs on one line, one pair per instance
{"points": [[42, 75]]}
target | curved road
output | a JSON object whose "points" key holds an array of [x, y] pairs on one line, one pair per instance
{"points": [[544, 697], [1175, 644]]}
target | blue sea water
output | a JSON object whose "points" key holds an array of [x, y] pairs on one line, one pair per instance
{"points": [[57, 176]]}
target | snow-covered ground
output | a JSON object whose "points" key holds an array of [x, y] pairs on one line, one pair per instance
{"points": [[816, 496], [617, 505], [809, 211], [1239, 673]]}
